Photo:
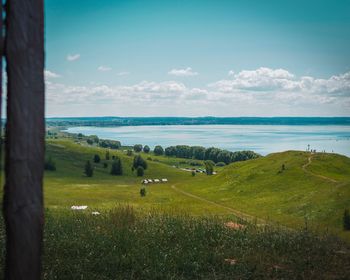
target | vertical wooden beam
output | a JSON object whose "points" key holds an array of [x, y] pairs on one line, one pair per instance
{"points": [[25, 132]]}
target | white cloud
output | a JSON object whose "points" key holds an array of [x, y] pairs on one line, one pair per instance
{"points": [[73, 57], [123, 73], [262, 92], [230, 73], [48, 74], [265, 80], [104, 68], [183, 72]]}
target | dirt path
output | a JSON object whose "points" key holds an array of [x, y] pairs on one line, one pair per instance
{"points": [[237, 213], [309, 161]]}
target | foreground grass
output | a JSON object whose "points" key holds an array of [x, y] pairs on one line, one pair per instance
{"points": [[124, 244]]}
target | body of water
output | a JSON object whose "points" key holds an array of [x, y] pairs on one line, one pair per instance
{"points": [[263, 139]]}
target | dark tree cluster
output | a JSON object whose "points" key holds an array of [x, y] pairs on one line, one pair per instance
{"points": [[139, 161], [146, 149], [158, 150], [137, 148], [89, 169], [117, 168], [214, 154], [112, 144], [97, 158]]}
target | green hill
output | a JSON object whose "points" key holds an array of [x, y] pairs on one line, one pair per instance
{"points": [[312, 187], [316, 191]]}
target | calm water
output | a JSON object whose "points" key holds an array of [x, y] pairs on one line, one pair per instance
{"points": [[263, 139]]}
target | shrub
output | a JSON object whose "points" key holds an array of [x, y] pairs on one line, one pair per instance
{"points": [[209, 167], [129, 153], [50, 164], [138, 148], [158, 150], [220, 164], [88, 169], [346, 219], [143, 191], [117, 168], [139, 161], [140, 171], [89, 141], [107, 155], [146, 149], [105, 165], [97, 159], [193, 173]]}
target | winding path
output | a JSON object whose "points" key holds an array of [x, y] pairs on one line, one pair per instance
{"points": [[233, 211], [309, 161]]}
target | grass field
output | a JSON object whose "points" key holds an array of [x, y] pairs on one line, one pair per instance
{"points": [[313, 187], [178, 230]]}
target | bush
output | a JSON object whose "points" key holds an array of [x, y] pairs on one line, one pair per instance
{"points": [[50, 164], [220, 164], [158, 150], [97, 159], [129, 153], [139, 161], [193, 173], [117, 168], [143, 191], [140, 171], [138, 148], [146, 149], [346, 219], [209, 167], [105, 165], [107, 155], [88, 169], [89, 141]]}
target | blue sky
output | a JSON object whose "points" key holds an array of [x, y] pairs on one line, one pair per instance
{"points": [[197, 57]]}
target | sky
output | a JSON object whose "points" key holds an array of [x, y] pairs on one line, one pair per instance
{"points": [[197, 58]]}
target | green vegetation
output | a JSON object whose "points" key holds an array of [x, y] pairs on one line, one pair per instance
{"points": [[146, 149], [140, 171], [346, 219], [49, 165], [158, 150], [88, 170], [214, 154], [179, 229], [138, 148], [117, 168], [123, 243]]}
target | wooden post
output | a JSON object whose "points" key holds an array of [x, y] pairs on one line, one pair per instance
{"points": [[25, 132]]}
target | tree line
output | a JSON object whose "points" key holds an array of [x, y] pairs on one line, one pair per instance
{"points": [[214, 154]]}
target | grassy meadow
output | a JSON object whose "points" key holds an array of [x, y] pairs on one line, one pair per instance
{"points": [[287, 222]]}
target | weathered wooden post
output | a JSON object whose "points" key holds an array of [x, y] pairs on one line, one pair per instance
{"points": [[25, 132]]}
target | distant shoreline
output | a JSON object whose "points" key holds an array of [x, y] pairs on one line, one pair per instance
{"points": [[142, 121]]}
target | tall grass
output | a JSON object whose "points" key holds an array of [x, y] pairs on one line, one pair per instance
{"points": [[128, 244]]}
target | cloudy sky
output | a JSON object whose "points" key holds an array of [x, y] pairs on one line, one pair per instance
{"points": [[197, 58]]}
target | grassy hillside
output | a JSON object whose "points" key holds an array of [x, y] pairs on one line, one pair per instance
{"points": [[317, 190], [312, 187]]}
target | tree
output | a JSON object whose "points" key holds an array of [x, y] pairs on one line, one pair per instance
{"points": [[158, 150], [49, 164], [117, 168], [129, 153], [209, 167], [140, 171], [193, 173], [139, 161], [137, 148], [346, 219], [88, 169], [107, 155], [146, 149], [25, 136], [97, 158], [105, 165], [143, 191], [89, 141]]}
